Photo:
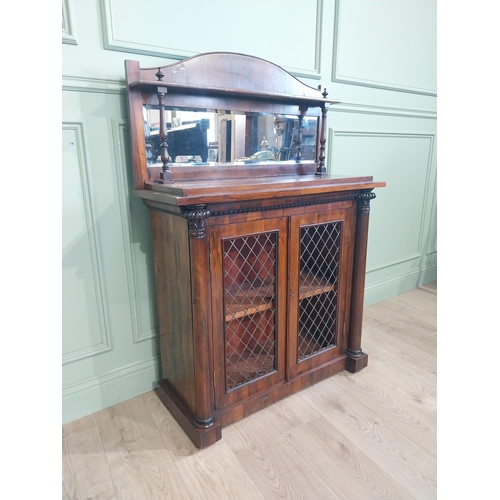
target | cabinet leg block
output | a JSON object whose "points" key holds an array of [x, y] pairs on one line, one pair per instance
{"points": [[201, 438], [354, 365]]}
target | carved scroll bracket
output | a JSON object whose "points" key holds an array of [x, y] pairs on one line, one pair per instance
{"points": [[196, 215]]}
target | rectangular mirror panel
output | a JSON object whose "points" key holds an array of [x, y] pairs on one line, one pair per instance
{"points": [[213, 137]]}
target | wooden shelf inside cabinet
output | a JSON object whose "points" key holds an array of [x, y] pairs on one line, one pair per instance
{"points": [[261, 358], [313, 346], [247, 298], [310, 285]]}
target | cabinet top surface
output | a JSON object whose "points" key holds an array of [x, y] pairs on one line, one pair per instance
{"points": [[259, 187]]}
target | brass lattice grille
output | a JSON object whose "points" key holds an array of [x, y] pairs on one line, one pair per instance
{"points": [[319, 268], [249, 264]]}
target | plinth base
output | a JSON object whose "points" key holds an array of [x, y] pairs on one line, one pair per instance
{"points": [[201, 438], [354, 365]]}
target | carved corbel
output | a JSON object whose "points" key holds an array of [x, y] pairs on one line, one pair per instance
{"points": [[196, 215], [364, 198]]}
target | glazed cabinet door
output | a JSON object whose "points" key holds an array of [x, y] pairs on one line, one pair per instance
{"points": [[320, 264], [248, 266]]}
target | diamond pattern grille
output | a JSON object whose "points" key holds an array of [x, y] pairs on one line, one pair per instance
{"points": [[319, 268], [249, 264]]}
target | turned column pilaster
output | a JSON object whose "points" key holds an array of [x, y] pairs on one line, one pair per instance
{"points": [[357, 359], [196, 216]]}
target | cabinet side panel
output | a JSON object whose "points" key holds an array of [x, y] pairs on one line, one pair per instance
{"points": [[173, 286]]}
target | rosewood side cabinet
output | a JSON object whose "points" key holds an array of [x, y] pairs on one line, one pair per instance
{"points": [[259, 254]]}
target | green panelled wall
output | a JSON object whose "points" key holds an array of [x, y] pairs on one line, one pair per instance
{"points": [[376, 56]]}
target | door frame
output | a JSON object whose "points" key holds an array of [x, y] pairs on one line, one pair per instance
{"points": [[218, 234], [346, 216]]}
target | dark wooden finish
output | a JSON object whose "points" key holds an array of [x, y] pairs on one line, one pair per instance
{"points": [[259, 268], [173, 292], [322, 141], [200, 283], [275, 305], [218, 80], [222, 73], [298, 290], [165, 170], [201, 437], [357, 359]]}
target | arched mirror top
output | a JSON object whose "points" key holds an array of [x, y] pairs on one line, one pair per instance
{"points": [[227, 72]]}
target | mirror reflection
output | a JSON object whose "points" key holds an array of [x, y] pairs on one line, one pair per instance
{"points": [[211, 137]]}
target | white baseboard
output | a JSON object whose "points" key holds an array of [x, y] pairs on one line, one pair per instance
{"points": [[102, 392], [385, 289]]}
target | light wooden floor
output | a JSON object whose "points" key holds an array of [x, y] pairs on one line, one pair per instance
{"points": [[353, 436]]}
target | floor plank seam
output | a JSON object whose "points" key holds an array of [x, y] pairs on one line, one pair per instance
{"points": [[370, 434]]}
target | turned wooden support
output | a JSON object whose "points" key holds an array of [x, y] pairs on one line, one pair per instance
{"points": [[298, 155], [321, 169], [356, 358], [165, 174], [199, 255]]}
